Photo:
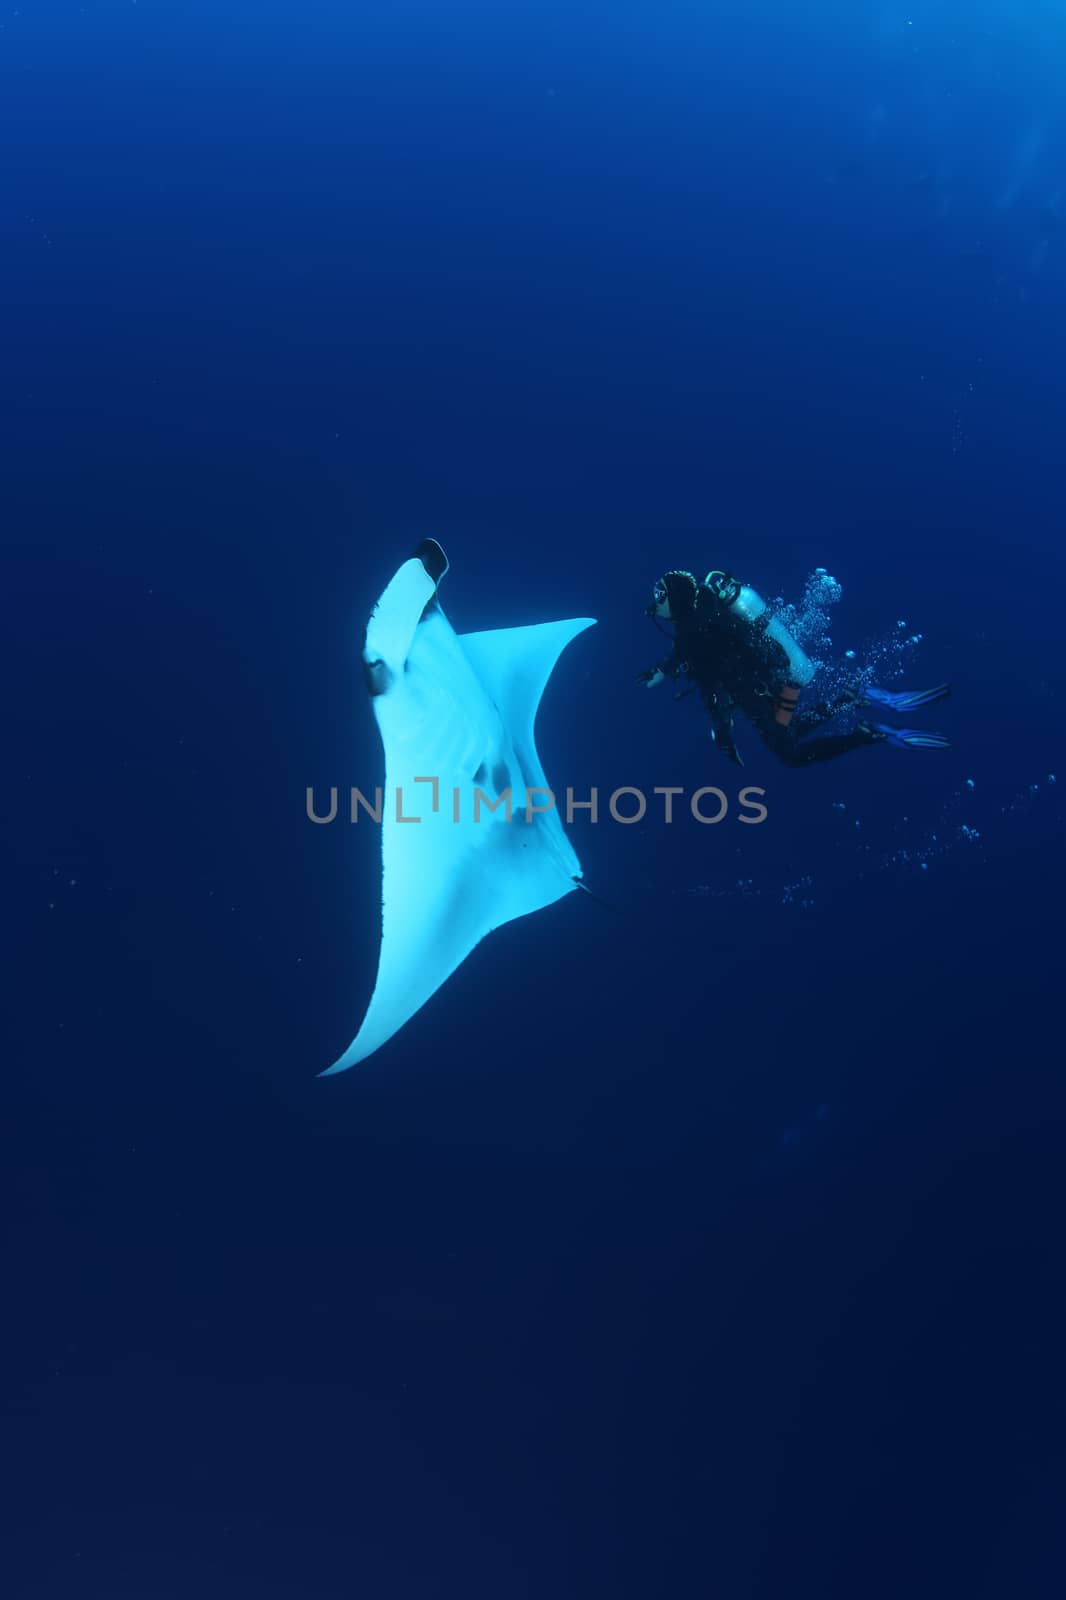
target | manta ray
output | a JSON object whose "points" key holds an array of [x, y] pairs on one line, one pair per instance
{"points": [[470, 834]]}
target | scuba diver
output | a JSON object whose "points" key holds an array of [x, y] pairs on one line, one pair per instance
{"points": [[742, 658]]}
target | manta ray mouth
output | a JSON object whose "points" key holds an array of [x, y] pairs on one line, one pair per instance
{"points": [[432, 557]]}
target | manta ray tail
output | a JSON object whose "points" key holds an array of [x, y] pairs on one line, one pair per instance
{"points": [[579, 883]]}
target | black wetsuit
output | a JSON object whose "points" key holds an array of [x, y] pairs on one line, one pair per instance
{"points": [[737, 666]]}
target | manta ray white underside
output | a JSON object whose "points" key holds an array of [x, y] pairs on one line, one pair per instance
{"points": [[456, 715]]}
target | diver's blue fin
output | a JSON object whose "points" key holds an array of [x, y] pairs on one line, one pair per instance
{"points": [[905, 699], [909, 738]]}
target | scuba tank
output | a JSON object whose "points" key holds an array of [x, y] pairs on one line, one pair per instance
{"points": [[747, 604]]}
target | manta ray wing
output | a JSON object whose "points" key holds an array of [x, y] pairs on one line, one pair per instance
{"points": [[457, 713], [514, 665]]}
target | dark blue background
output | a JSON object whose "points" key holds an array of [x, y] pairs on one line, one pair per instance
{"points": [[711, 1244]]}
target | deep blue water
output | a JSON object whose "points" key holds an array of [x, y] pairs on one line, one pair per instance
{"points": [[709, 1244]]}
